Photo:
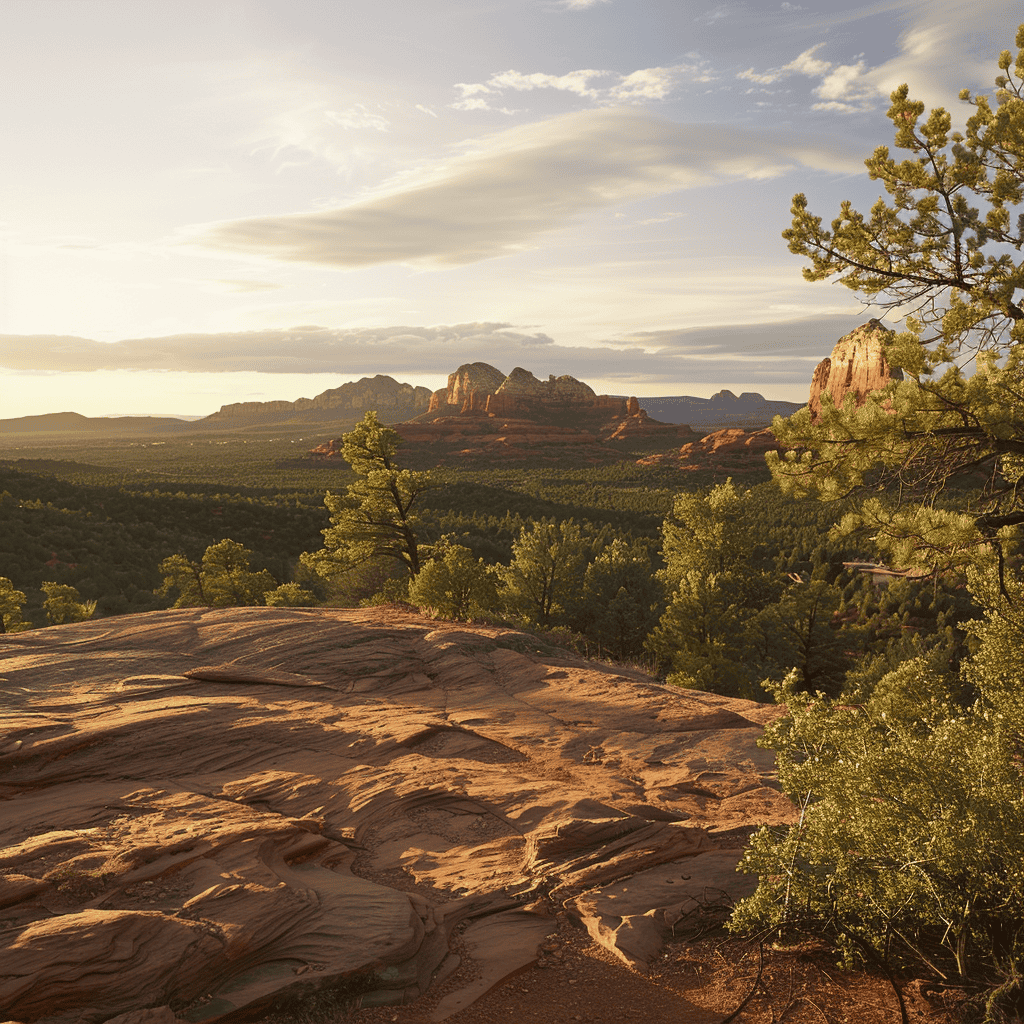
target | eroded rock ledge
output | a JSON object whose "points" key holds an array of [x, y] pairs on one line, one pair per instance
{"points": [[211, 813]]}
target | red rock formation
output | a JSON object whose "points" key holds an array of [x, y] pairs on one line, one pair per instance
{"points": [[469, 377], [637, 423], [391, 400], [857, 365], [735, 451], [255, 833], [503, 404], [564, 390], [522, 417]]}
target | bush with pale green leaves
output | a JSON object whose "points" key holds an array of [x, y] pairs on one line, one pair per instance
{"points": [[64, 604], [454, 584], [910, 841]]}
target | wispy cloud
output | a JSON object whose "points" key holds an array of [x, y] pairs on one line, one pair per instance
{"points": [[931, 57], [574, 81], [848, 88], [656, 83], [805, 64], [503, 191]]}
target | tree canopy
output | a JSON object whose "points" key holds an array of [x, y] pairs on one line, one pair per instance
{"points": [[222, 579], [64, 604], [944, 251], [376, 517]]}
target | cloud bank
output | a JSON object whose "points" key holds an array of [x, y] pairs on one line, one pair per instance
{"points": [[779, 353], [497, 195]]}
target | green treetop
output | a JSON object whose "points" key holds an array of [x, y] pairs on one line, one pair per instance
{"points": [[11, 602], [222, 579], [546, 572], [64, 604]]}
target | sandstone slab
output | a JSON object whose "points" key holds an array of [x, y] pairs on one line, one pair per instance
{"points": [[212, 814]]}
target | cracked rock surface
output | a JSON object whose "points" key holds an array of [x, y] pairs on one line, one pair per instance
{"points": [[209, 814]]}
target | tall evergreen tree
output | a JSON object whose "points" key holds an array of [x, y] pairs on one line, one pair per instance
{"points": [[376, 517], [946, 245]]}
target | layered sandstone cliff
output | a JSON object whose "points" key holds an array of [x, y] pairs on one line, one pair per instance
{"points": [[467, 379], [857, 366], [479, 388]]}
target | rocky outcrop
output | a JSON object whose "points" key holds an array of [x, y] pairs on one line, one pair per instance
{"points": [[564, 390], [391, 400], [857, 366], [479, 388], [467, 379], [733, 452], [636, 423], [205, 810]]}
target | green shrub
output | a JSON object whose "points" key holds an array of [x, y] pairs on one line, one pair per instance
{"points": [[910, 841]]}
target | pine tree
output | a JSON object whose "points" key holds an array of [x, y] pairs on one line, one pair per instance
{"points": [[376, 517], [546, 573], [947, 247]]}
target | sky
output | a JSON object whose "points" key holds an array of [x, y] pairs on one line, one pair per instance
{"points": [[255, 200]]}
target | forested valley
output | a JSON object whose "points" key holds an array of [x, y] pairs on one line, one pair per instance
{"points": [[587, 558], [873, 584]]}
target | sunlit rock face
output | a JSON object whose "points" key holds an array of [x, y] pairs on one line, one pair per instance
{"points": [[563, 390], [481, 388], [857, 366], [467, 379], [736, 453], [222, 813]]}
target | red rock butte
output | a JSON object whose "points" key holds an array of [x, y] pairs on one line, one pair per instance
{"points": [[220, 813], [857, 366]]}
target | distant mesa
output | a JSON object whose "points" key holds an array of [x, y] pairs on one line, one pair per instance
{"points": [[391, 400], [720, 412], [857, 365], [73, 422]]}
